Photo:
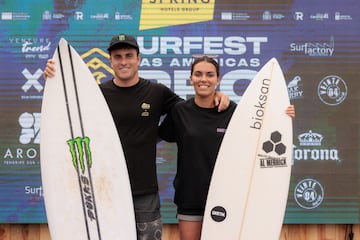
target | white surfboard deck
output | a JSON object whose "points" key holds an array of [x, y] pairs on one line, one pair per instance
{"points": [[84, 175], [249, 187]]}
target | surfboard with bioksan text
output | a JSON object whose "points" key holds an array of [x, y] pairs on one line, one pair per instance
{"points": [[250, 183], [84, 175]]}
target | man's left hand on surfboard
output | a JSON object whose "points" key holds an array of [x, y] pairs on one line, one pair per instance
{"points": [[49, 70], [290, 111]]}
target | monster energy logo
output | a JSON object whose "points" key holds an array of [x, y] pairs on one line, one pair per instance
{"points": [[81, 159], [83, 147]]}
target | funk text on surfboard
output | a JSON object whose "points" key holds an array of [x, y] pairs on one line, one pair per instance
{"points": [[260, 106], [89, 203]]}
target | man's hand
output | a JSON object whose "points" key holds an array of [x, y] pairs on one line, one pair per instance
{"points": [[50, 69], [290, 111], [221, 100]]}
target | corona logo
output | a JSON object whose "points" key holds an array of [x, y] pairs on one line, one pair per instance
{"points": [[310, 139], [312, 148]]}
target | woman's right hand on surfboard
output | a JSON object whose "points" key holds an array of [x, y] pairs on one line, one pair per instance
{"points": [[49, 69]]}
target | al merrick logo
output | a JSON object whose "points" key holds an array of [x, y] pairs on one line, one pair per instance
{"points": [[274, 144]]}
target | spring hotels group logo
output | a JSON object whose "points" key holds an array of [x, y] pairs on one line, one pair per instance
{"points": [[163, 13]]}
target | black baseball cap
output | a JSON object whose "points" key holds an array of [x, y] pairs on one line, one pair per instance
{"points": [[120, 40]]}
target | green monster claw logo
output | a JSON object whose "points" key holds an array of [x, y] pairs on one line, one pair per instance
{"points": [[83, 148]]}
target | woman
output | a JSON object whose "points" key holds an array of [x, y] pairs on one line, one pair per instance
{"points": [[198, 128]]}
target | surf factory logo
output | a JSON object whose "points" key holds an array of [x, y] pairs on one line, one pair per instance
{"points": [[317, 49], [332, 90], [274, 144], [309, 193], [218, 214]]}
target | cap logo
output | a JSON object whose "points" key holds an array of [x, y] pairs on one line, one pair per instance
{"points": [[121, 37]]}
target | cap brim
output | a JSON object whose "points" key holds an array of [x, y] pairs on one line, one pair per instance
{"points": [[122, 45]]}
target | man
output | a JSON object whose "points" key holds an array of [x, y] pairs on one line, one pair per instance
{"points": [[136, 105]]}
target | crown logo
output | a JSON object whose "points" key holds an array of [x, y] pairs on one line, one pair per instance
{"points": [[310, 139]]}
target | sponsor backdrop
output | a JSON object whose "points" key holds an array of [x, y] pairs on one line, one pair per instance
{"points": [[316, 43]]}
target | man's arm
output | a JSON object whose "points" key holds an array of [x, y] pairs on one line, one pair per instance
{"points": [[222, 101]]}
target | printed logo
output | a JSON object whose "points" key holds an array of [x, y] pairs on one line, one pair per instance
{"points": [[316, 49], [30, 124], [274, 144], [80, 149], [311, 149], [310, 139], [332, 90], [100, 16], [342, 17], [268, 16], [218, 214], [299, 16], [96, 60], [34, 191], [295, 88], [32, 82], [47, 15], [123, 17], [309, 193], [79, 16], [30, 134], [82, 161], [15, 16], [234, 16], [320, 16], [260, 106], [32, 48], [163, 13], [145, 107]]}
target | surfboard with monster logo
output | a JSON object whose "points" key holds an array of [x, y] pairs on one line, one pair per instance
{"points": [[249, 187], [84, 175]]}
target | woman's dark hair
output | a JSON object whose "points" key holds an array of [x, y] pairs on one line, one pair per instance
{"points": [[206, 59]]}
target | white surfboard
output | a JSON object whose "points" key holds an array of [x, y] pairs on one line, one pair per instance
{"points": [[84, 175], [249, 187]]}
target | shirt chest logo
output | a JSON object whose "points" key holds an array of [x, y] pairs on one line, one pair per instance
{"points": [[145, 107]]}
